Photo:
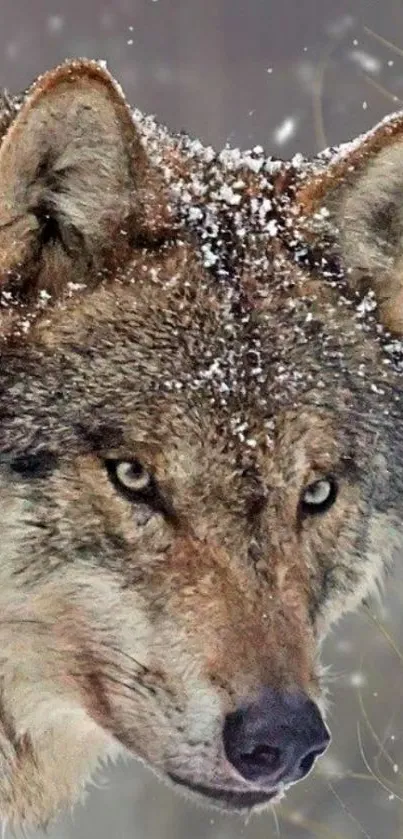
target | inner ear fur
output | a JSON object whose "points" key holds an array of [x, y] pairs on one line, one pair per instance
{"points": [[362, 190], [76, 187]]}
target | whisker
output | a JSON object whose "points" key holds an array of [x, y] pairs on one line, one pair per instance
{"points": [[276, 821], [139, 690], [124, 654]]}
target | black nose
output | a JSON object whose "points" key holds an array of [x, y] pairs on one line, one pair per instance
{"points": [[277, 738]]}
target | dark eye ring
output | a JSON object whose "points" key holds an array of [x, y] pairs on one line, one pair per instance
{"points": [[318, 497], [130, 477], [138, 485]]}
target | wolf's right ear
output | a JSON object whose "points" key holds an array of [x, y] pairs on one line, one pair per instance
{"points": [[361, 192], [76, 187]]}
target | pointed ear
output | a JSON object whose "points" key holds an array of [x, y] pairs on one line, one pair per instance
{"points": [[76, 187], [362, 190]]}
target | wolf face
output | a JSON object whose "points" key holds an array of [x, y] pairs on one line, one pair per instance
{"points": [[200, 442]]}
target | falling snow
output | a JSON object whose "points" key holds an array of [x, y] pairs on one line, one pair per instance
{"points": [[368, 63], [285, 131]]}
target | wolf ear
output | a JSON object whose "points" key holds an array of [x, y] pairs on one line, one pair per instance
{"points": [[76, 186], [363, 191]]}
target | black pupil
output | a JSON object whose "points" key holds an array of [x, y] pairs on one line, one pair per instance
{"points": [[135, 470]]}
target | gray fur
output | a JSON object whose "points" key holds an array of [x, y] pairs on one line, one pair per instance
{"points": [[193, 312]]}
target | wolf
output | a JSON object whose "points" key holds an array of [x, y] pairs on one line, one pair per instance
{"points": [[201, 441]]}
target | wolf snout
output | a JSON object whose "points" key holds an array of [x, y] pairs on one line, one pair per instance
{"points": [[276, 738]]}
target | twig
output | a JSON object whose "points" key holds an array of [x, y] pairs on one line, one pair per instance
{"points": [[371, 771], [317, 92], [381, 89], [348, 813], [383, 41]]}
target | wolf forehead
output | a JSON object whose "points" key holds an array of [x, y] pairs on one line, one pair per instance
{"points": [[289, 319], [246, 298]]}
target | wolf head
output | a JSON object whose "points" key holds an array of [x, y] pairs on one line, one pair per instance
{"points": [[200, 444]]}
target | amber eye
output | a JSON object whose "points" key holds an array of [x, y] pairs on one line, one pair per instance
{"points": [[318, 496]]}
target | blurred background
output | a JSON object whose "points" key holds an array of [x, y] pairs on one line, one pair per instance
{"points": [[292, 75]]}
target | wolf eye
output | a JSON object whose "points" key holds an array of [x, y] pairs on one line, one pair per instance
{"points": [[132, 475], [131, 478], [138, 485], [318, 497]]}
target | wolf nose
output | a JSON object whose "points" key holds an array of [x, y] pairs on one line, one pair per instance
{"points": [[277, 738]]}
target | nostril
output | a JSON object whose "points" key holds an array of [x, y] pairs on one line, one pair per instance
{"points": [[262, 757], [308, 761], [249, 752]]}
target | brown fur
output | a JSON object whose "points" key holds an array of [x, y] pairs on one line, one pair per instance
{"points": [[215, 318]]}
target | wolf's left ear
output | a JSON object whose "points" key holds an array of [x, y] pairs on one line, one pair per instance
{"points": [[76, 187], [363, 192]]}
